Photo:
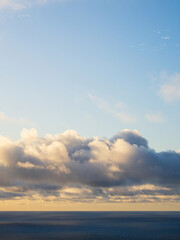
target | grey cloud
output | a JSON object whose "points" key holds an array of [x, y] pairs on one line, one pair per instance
{"points": [[9, 195], [132, 137]]}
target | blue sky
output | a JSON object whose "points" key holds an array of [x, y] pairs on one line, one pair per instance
{"points": [[89, 105], [96, 66]]}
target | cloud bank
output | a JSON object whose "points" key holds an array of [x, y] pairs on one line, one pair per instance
{"points": [[70, 167]]}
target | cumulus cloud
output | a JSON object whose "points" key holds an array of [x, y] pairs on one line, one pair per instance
{"points": [[170, 90], [22, 4], [69, 166]]}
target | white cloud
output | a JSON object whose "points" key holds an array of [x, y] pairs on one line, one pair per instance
{"points": [[70, 167], [154, 118], [13, 4], [170, 90], [158, 32], [112, 110]]}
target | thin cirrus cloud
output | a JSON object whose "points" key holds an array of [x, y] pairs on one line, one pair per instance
{"points": [[170, 89], [70, 167], [22, 4], [112, 110], [11, 120], [154, 118]]}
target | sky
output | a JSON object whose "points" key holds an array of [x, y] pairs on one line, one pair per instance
{"points": [[89, 104]]}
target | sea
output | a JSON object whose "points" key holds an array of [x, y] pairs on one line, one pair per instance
{"points": [[89, 225]]}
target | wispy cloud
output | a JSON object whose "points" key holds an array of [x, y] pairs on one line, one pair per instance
{"points": [[70, 167], [162, 34], [112, 110], [154, 118], [20, 121], [170, 89], [12, 4], [23, 16], [157, 31], [165, 38], [22, 4]]}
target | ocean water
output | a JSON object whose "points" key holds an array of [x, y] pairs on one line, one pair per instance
{"points": [[89, 225]]}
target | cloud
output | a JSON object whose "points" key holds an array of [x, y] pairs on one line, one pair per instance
{"points": [[170, 90], [157, 31], [132, 137], [13, 4], [22, 4], [10, 120], [70, 167], [105, 106], [154, 118], [165, 38]]}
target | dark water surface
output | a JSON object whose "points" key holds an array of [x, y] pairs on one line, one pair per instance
{"points": [[89, 225]]}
